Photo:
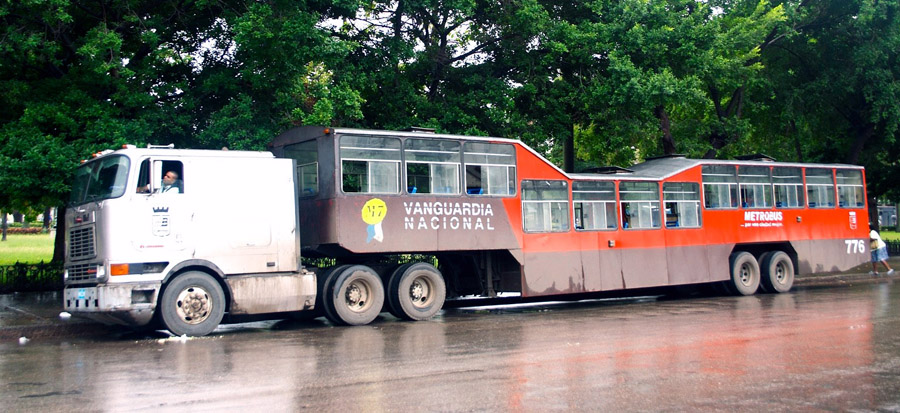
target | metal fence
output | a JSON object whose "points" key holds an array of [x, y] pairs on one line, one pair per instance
{"points": [[30, 277], [893, 248]]}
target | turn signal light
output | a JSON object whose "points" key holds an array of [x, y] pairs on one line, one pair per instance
{"points": [[118, 269]]}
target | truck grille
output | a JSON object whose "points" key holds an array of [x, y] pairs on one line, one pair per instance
{"points": [[82, 272], [81, 243]]}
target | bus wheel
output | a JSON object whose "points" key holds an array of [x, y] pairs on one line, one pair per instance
{"points": [[777, 272], [354, 297], [416, 291], [744, 274], [192, 304]]}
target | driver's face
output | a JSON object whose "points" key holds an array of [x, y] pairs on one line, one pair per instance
{"points": [[169, 179]]}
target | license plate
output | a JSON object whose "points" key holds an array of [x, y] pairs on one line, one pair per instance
{"points": [[81, 293]]}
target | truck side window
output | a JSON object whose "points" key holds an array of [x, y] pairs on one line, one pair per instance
{"points": [[307, 156], [370, 164], [167, 177]]}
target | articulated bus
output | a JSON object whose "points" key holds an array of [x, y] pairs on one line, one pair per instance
{"points": [[402, 221], [498, 217]]}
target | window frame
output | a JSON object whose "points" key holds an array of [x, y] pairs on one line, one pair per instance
{"points": [[592, 202], [857, 188], [732, 186], [797, 186], [370, 162], [806, 183], [654, 213], [487, 168], [431, 166], [678, 202], [546, 206]]}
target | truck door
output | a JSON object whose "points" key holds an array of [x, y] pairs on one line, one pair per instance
{"points": [[164, 212]]}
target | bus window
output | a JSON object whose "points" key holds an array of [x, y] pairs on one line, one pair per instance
{"points": [[755, 186], [788, 187], [490, 168], [307, 156], [370, 164], [640, 204], [432, 166], [682, 203], [850, 188], [719, 187], [545, 206], [594, 205], [819, 188]]}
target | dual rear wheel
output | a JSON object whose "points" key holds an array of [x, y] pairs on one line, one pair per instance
{"points": [[355, 294], [774, 272]]}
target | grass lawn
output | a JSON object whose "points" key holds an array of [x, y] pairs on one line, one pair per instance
{"points": [[890, 235], [26, 248]]}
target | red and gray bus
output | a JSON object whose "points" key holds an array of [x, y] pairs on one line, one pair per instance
{"points": [[481, 216]]}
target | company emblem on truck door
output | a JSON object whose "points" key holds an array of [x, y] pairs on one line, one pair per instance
{"points": [[160, 221], [373, 212]]}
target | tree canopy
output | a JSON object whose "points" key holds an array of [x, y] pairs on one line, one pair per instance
{"points": [[585, 83]]}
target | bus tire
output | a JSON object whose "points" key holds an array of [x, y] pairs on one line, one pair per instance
{"points": [[192, 304], [745, 274], [416, 291], [356, 296], [324, 304], [777, 272]]}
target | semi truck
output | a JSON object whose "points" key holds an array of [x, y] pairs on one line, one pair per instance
{"points": [[396, 221]]}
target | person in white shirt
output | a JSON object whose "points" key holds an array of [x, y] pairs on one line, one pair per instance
{"points": [[879, 252]]}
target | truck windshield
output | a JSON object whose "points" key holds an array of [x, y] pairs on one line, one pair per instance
{"points": [[101, 179]]}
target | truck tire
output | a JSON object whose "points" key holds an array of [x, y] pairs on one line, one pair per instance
{"points": [[192, 304], [416, 291], [744, 274], [324, 304], [777, 272], [354, 297]]}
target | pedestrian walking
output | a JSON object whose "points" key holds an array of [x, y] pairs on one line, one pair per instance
{"points": [[879, 252]]}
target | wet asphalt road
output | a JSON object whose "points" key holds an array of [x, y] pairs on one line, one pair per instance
{"points": [[835, 349]]}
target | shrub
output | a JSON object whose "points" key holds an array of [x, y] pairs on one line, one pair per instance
{"points": [[20, 230]]}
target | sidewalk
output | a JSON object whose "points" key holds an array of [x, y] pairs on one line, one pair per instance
{"points": [[37, 315]]}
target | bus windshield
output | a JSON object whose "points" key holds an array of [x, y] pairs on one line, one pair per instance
{"points": [[101, 179]]}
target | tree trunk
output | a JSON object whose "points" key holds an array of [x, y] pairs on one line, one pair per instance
{"points": [[668, 142], [863, 134], [47, 218], [569, 150], [4, 225], [59, 243]]}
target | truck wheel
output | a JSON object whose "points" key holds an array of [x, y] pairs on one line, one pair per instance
{"points": [[324, 304], [356, 296], [744, 274], [192, 304], [777, 272], [416, 291]]}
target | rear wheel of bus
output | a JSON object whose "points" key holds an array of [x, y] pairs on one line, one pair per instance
{"points": [[353, 295], [745, 275], [416, 291], [777, 272], [192, 304]]}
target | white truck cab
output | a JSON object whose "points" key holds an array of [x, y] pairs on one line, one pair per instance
{"points": [[184, 237]]}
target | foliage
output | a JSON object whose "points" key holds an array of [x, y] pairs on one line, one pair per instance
{"points": [[608, 82]]}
